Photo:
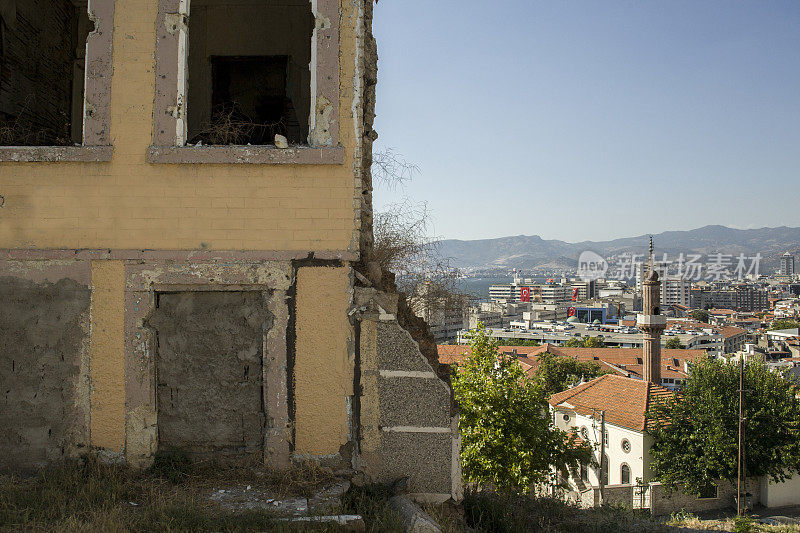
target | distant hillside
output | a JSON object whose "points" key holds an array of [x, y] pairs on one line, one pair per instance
{"points": [[528, 252]]}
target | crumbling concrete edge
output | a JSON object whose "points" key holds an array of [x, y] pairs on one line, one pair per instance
{"points": [[56, 154], [371, 277], [253, 155]]}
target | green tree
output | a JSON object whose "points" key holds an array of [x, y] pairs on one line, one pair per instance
{"points": [[701, 315], [555, 373], [519, 342], [784, 324], [508, 440], [673, 342], [585, 342], [696, 432]]}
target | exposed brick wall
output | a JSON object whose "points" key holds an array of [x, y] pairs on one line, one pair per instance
{"points": [[36, 67]]}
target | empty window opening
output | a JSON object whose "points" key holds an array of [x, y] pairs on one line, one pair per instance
{"points": [[249, 76], [42, 66]]}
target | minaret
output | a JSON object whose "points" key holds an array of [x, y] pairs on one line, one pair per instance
{"points": [[652, 323]]}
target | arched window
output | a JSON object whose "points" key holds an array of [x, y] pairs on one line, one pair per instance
{"points": [[625, 474]]}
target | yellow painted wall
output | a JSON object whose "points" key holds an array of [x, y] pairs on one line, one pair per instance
{"points": [[107, 355], [130, 204], [323, 366]]}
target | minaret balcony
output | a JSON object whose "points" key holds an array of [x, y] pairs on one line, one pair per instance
{"points": [[651, 321]]}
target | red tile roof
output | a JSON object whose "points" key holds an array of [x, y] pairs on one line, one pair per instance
{"points": [[622, 361], [625, 400]]}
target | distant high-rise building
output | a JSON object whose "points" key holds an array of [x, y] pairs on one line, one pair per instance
{"points": [[674, 289], [787, 264]]}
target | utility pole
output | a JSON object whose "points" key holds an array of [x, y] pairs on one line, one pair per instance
{"points": [[603, 465], [741, 438]]}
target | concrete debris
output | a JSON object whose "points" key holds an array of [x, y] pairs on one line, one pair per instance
{"points": [[350, 522], [416, 520], [281, 141], [329, 499]]}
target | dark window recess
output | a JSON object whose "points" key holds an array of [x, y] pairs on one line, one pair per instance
{"points": [[708, 491], [42, 56], [250, 102], [625, 475]]}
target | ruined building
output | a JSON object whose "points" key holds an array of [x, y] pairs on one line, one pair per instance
{"points": [[185, 243]]}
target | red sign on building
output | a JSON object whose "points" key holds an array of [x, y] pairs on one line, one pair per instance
{"points": [[571, 311], [525, 294], [574, 294]]}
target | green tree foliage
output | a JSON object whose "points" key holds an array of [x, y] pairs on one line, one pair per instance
{"points": [[784, 324], [556, 373], [696, 433], [519, 342], [700, 315], [585, 342], [508, 440], [673, 342]]}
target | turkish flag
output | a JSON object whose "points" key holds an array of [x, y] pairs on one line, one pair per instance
{"points": [[574, 294], [525, 294], [571, 311]]}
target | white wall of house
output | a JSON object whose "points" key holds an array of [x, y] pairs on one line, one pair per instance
{"points": [[635, 458], [780, 494]]}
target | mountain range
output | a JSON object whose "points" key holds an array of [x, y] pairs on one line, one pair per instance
{"points": [[532, 252]]}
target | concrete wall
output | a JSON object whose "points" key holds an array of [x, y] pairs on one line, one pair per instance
{"points": [[618, 495], [209, 371], [408, 427], [663, 503], [780, 494], [44, 320]]}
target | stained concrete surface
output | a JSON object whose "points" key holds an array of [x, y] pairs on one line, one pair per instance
{"points": [[398, 350], [209, 372], [413, 402], [43, 331], [425, 457]]}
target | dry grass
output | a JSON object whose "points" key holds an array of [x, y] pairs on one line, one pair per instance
{"points": [[88, 495], [744, 524], [495, 512]]}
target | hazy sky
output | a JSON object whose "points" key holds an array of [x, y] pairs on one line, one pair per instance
{"points": [[561, 118]]}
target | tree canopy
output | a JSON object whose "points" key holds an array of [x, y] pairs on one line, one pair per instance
{"points": [[701, 315], [585, 342], [557, 373], [784, 324], [696, 432], [519, 342], [508, 440], [673, 342]]}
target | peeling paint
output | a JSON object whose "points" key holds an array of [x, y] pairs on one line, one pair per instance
{"points": [[321, 136]]}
